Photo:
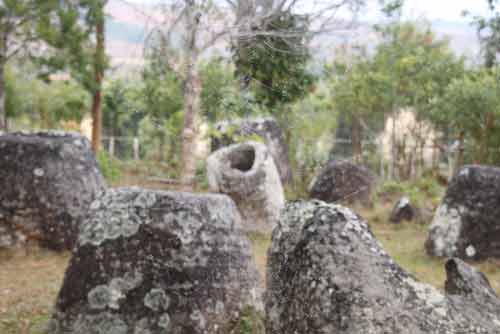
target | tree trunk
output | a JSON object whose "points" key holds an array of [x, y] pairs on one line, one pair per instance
{"points": [[97, 94], [96, 121], [490, 119], [357, 144], [392, 163], [192, 98], [3, 111], [459, 158], [161, 147]]}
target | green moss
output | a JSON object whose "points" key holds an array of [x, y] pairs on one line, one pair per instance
{"points": [[251, 322]]}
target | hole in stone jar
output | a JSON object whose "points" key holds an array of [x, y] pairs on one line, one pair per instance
{"points": [[242, 158]]}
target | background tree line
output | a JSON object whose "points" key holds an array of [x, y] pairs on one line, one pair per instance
{"points": [[269, 70]]}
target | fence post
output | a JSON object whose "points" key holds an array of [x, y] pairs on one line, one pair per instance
{"points": [[136, 148], [111, 146], [381, 153]]}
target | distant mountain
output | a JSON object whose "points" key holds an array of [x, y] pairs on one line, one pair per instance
{"points": [[128, 26], [462, 35]]}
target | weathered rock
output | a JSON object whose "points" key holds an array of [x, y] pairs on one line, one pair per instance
{"points": [[158, 262], [247, 173], [466, 224], [344, 181], [265, 128], [328, 274], [471, 287], [47, 182], [403, 211]]}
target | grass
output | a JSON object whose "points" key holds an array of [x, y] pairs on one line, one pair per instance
{"points": [[405, 243], [29, 282]]}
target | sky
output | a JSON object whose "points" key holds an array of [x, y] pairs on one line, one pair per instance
{"points": [[448, 10]]}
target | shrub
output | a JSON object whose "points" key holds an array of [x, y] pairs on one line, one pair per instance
{"points": [[110, 167]]}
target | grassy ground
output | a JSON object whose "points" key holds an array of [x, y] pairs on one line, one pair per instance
{"points": [[29, 282], [405, 243], [30, 279]]}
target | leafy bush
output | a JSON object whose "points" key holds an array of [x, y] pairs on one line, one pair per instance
{"points": [[251, 322], [110, 167], [201, 175], [421, 192]]}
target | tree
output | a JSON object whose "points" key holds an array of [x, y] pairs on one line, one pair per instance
{"points": [[470, 106], [96, 19], [20, 24], [191, 27], [78, 32], [275, 66], [123, 107], [271, 49], [488, 31], [45, 104], [360, 92], [163, 99], [187, 30], [313, 120], [418, 67], [217, 83]]}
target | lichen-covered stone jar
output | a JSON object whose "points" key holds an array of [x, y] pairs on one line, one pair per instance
{"points": [[47, 182], [152, 262]]}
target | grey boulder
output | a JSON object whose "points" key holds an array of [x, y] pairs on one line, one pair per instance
{"points": [[327, 273], [403, 211], [343, 181], [466, 224], [47, 182], [247, 173], [158, 262]]}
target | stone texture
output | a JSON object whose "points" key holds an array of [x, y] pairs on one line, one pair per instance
{"points": [[247, 173], [267, 129], [343, 181], [403, 211], [47, 182], [328, 274], [158, 262], [466, 224]]}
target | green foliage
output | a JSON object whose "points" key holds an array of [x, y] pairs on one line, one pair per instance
{"points": [[73, 35], [109, 166], [160, 138], [488, 31], [362, 90], [471, 105], [415, 65], [21, 24], [237, 104], [251, 322], [163, 107], [217, 89], [221, 99], [392, 8], [201, 176], [162, 90], [420, 192], [123, 107], [45, 103], [274, 65], [312, 122]]}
